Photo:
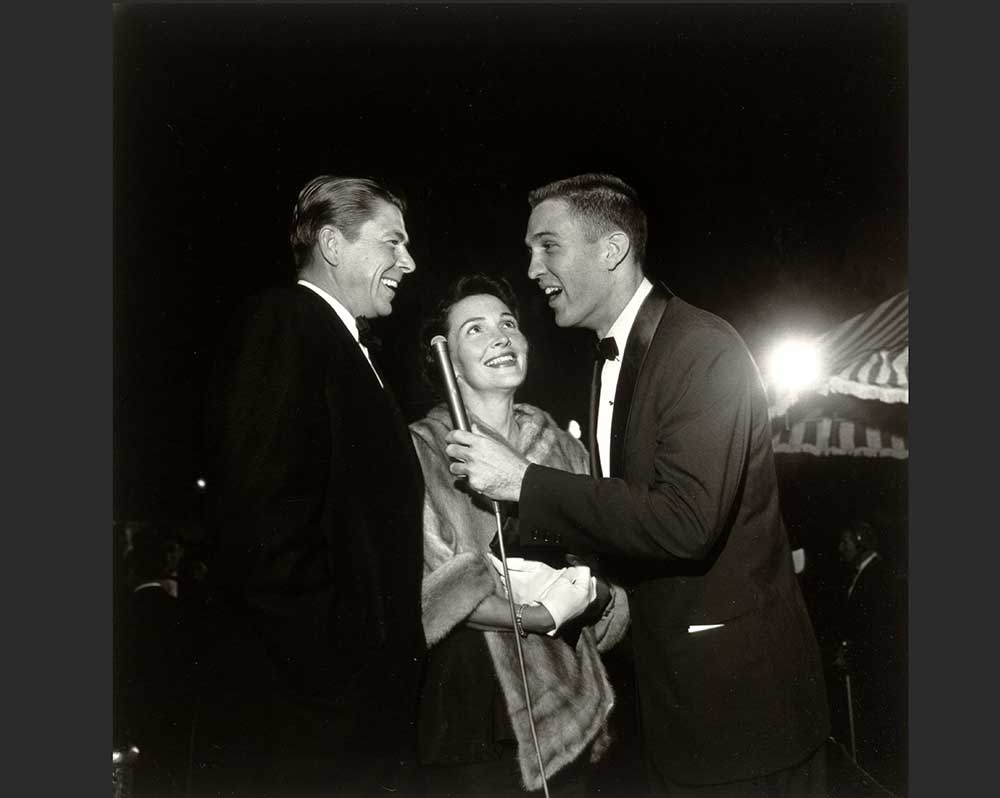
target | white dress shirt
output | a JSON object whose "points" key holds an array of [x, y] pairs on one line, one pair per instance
{"points": [[349, 321], [612, 368]]}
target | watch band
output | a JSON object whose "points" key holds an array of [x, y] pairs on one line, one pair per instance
{"points": [[518, 620]]}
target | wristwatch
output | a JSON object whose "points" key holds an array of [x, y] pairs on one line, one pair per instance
{"points": [[518, 621]]}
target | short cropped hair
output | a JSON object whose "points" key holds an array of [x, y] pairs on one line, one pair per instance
{"points": [[863, 534], [602, 202], [437, 322], [152, 556], [343, 202]]}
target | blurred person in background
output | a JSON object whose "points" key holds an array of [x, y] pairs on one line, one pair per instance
{"points": [[153, 698], [872, 655]]}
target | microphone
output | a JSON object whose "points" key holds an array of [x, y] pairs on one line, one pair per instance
{"points": [[455, 404], [456, 407]]}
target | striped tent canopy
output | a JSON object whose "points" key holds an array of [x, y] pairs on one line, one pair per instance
{"points": [[868, 356], [858, 407], [827, 434]]}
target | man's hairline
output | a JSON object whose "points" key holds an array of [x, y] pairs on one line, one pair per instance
{"points": [[576, 216], [399, 232]]}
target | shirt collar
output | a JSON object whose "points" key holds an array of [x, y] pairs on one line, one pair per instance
{"points": [[867, 560], [333, 302], [623, 324]]}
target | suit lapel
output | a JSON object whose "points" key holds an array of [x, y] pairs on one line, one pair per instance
{"points": [[343, 338], [595, 391], [639, 340], [361, 380]]}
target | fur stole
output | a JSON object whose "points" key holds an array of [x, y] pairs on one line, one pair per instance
{"points": [[570, 693]]}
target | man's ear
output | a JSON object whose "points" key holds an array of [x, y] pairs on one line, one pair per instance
{"points": [[330, 240], [616, 248]]}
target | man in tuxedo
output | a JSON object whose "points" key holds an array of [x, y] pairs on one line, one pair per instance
{"points": [[682, 502], [873, 655], [318, 500]]}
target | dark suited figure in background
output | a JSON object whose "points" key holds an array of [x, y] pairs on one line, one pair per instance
{"points": [[153, 664], [318, 499], [730, 682], [873, 656]]}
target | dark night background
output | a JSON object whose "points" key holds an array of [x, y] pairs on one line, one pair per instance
{"points": [[768, 141]]}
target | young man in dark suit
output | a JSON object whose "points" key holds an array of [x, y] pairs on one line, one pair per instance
{"points": [[873, 656], [318, 508], [682, 502]]}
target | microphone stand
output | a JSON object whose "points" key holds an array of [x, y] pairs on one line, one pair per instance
{"points": [[517, 643], [461, 421]]}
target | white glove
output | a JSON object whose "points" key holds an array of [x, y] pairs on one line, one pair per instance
{"points": [[569, 595], [529, 579]]}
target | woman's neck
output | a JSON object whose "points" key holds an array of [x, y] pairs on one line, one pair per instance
{"points": [[495, 409]]}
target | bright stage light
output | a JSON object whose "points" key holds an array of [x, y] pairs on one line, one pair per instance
{"points": [[200, 483], [793, 365]]}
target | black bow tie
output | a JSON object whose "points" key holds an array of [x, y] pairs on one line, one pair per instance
{"points": [[366, 337], [607, 349]]}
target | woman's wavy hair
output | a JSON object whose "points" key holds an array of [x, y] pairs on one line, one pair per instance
{"points": [[437, 322]]}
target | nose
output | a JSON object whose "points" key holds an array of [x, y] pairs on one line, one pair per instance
{"points": [[502, 339], [405, 261], [535, 268]]}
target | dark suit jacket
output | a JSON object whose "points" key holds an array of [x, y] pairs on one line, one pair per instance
{"points": [[690, 512], [318, 508], [874, 625]]}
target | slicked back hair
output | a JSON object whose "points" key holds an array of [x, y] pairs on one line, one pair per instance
{"points": [[864, 535], [437, 322], [602, 203], [342, 202]]}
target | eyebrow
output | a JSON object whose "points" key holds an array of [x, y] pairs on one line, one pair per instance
{"points": [[397, 233], [540, 234], [505, 314]]}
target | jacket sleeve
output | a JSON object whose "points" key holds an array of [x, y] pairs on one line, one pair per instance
{"points": [[610, 628], [701, 440]]}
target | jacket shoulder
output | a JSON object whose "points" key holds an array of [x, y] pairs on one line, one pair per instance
{"points": [[283, 309], [686, 322], [287, 300]]}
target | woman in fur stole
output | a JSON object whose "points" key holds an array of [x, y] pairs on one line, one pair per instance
{"points": [[475, 734]]}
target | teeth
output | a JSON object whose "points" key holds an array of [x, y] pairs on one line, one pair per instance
{"points": [[390, 282], [552, 290], [501, 360]]}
